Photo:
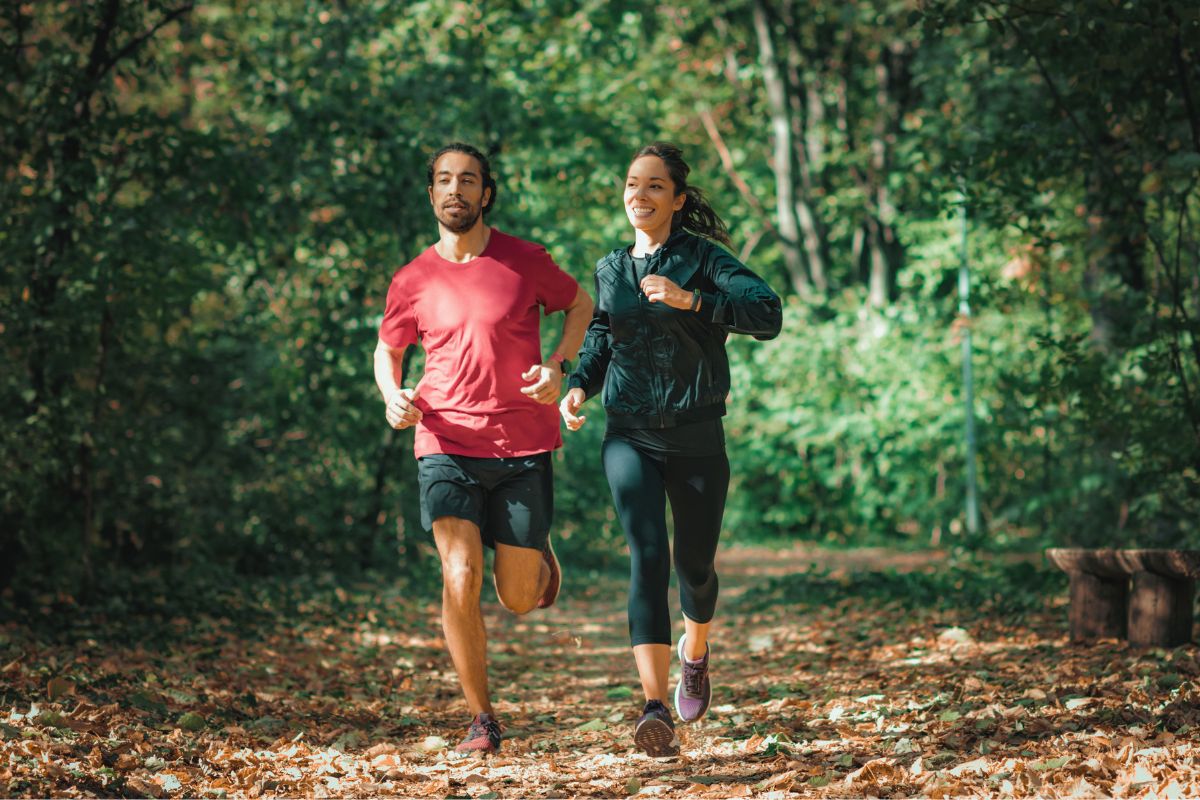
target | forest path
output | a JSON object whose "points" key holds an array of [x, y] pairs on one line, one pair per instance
{"points": [[349, 692]]}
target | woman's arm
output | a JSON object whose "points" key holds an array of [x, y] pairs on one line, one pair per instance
{"points": [[743, 302]]}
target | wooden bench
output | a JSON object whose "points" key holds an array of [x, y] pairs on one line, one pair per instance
{"points": [[1145, 596]]}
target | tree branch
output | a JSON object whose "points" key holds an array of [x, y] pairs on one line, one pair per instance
{"points": [[146, 35], [714, 133]]}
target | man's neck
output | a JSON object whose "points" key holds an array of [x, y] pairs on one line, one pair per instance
{"points": [[462, 247]]}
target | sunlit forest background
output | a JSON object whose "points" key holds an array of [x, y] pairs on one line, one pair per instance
{"points": [[203, 204]]}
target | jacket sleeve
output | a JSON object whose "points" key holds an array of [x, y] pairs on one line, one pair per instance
{"points": [[595, 353], [742, 302]]}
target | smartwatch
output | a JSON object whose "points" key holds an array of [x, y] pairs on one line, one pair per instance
{"points": [[563, 363]]}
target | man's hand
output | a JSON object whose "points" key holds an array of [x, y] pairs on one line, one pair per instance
{"points": [[402, 411], [546, 382], [570, 406]]}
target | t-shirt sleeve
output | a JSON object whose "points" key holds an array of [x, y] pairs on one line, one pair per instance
{"points": [[555, 288], [399, 326]]}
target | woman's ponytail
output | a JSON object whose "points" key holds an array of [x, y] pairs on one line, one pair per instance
{"points": [[699, 217]]}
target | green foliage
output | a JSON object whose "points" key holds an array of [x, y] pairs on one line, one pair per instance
{"points": [[985, 583], [202, 206]]}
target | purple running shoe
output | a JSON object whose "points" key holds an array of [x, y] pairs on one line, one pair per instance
{"points": [[694, 691]]}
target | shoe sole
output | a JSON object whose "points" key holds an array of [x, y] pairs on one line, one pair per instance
{"points": [[656, 738], [679, 686], [485, 749]]}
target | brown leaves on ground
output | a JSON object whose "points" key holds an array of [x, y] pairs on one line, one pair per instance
{"points": [[357, 698]]}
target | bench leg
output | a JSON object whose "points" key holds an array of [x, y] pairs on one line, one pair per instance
{"points": [[1098, 607], [1160, 610]]}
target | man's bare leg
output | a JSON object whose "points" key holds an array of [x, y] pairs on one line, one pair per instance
{"points": [[521, 577], [461, 550]]}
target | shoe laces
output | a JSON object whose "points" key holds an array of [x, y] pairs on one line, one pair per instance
{"points": [[693, 676], [481, 726], [652, 706]]}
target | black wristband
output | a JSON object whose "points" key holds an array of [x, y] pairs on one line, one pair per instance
{"points": [[695, 300]]}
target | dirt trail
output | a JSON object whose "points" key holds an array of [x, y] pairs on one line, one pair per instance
{"points": [[356, 698]]}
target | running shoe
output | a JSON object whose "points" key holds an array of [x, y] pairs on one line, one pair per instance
{"points": [[482, 737], [655, 731], [694, 691], [551, 593]]}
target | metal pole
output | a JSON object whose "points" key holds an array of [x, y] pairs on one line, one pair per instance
{"points": [[964, 312]]}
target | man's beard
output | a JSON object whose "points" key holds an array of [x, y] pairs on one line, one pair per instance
{"points": [[460, 224]]}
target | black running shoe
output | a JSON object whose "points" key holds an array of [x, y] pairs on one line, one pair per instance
{"points": [[655, 731]]}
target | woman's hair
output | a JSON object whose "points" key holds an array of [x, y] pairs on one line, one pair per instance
{"points": [[696, 215], [486, 178]]}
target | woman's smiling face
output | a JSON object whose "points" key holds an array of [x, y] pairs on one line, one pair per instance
{"points": [[650, 199]]}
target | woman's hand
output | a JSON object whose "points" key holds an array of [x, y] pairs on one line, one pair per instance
{"points": [[569, 406], [663, 290]]}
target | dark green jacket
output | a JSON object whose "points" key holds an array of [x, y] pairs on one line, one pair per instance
{"points": [[659, 366]]}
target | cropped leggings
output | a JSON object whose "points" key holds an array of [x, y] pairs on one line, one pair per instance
{"points": [[641, 483]]}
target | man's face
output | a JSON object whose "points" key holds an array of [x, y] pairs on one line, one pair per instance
{"points": [[457, 194]]}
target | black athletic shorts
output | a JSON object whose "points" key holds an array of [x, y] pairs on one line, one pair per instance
{"points": [[510, 499]]}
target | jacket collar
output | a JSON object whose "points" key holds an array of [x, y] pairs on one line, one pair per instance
{"points": [[679, 270]]}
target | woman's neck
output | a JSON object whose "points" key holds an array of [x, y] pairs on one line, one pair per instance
{"points": [[646, 242]]}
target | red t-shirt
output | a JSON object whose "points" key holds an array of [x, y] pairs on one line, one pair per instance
{"points": [[479, 325]]}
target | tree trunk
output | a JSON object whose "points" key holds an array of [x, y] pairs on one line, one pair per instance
{"points": [[785, 193], [807, 114], [887, 254], [1115, 254]]}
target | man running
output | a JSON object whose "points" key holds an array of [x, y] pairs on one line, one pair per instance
{"points": [[485, 409]]}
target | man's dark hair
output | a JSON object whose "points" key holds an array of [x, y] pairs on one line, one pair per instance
{"points": [[460, 147]]}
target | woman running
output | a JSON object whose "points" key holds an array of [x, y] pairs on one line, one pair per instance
{"points": [[656, 346]]}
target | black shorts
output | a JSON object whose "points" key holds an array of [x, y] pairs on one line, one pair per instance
{"points": [[510, 499]]}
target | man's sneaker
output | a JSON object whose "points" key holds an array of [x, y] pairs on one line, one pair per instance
{"points": [[483, 736], [694, 692], [551, 593], [655, 731]]}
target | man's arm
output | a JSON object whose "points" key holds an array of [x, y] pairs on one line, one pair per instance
{"points": [[400, 410], [575, 323], [547, 377]]}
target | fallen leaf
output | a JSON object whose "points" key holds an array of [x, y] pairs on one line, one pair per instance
{"points": [[59, 687], [192, 722]]}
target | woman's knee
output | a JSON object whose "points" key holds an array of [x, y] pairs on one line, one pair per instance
{"points": [[696, 577], [650, 563]]}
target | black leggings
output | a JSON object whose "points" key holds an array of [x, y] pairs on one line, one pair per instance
{"points": [[641, 483]]}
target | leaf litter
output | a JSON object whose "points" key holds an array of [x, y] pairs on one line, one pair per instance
{"points": [[853, 696]]}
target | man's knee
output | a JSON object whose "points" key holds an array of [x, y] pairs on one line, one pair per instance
{"points": [[462, 578], [517, 599]]}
